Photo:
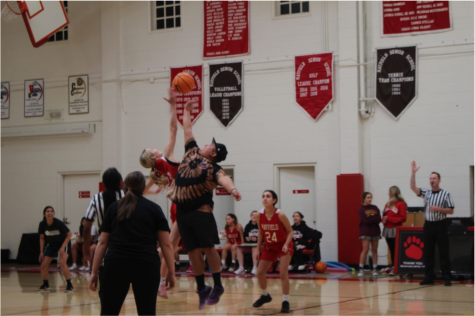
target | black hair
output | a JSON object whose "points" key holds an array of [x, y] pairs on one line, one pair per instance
{"points": [[135, 184], [363, 196], [47, 207], [112, 180], [300, 214], [81, 227], [274, 196], [235, 221], [433, 172]]}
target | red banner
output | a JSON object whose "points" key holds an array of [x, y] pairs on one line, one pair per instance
{"points": [[196, 94], [414, 17], [314, 83], [222, 191], [226, 28]]}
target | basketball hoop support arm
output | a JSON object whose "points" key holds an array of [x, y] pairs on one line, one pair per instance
{"points": [[366, 110]]}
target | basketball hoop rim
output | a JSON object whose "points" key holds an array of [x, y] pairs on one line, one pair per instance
{"points": [[20, 5]]}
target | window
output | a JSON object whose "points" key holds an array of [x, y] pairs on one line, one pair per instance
{"points": [[166, 15], [61, 35], [292, 7]]}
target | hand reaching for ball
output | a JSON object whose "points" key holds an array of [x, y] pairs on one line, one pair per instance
{"points": [[190, 105]]}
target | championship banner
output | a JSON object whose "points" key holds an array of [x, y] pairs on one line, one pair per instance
{"points": [[226, 91], [314, 83], [415, 17], [78, 94], [196, 94], [396, 75], [5, 100], [226, 28], [34, 97]]}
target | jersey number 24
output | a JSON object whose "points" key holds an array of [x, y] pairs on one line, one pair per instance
{"points": [[271, 239]]}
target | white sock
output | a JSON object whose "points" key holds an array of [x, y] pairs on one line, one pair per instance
{"points": [[163, 280], [222, 262], [375, 267], [285, 298], [361, 266], [264, 292], [234, 261]]}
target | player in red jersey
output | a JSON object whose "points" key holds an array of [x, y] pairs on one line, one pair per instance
{"points": [[164, 167], [275, 236], [234, 238]]}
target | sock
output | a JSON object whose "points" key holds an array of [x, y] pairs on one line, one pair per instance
{"points": [[200, 282], [361, 266], [264, 292], [375, 267], [217, 279], [222, 262], [285, 298], [234, 261], [46, 283], [163, 280]]}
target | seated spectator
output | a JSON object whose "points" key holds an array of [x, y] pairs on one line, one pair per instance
{"points": [[77, 246], [305, 238], [251, 232], [233, 239]]}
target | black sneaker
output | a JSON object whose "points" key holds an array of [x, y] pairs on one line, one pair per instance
{"points": [[204, 294], [426, 282], [262, 300], [285, 307], [69, 288], [447, 281], [177, 267], [43, 288]]}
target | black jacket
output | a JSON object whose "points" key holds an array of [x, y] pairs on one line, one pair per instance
{"points": [[251, 231], [304, 235]]}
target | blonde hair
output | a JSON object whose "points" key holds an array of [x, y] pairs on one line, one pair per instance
{"points": [[147, 161], [394, 196]]}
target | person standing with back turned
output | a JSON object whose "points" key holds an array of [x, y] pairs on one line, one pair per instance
{"points": [[192, 192], [437, 204]]}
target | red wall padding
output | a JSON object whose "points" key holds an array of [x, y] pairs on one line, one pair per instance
{"points": [[349, 190]]}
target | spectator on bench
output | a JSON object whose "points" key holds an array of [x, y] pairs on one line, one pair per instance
{"points": [[77, 246], [234, 237], [304, 238], [251, 232]]}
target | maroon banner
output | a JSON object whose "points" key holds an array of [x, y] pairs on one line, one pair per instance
{"points": [[414, 17], [314, 83], [196, 94], [226, 28]]}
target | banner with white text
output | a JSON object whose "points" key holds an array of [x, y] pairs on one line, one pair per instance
{"points": [[196, 94]]}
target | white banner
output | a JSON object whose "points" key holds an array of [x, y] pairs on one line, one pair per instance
{"points": [[34, 97], [78, 94]]}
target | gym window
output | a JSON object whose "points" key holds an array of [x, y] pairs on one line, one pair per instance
{"points": [[166, 15], [286, 8], [61, 35]]}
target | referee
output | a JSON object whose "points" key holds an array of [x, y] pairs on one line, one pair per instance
{"points": [[437, 204]]}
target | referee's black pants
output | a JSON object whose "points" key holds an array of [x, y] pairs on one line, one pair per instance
{"points": [[115, 283], [436, 233]]}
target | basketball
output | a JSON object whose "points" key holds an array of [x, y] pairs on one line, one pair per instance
{"points": [[183, 83], [320, 267]]}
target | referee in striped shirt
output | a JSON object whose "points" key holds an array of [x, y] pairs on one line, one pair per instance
{"points": [[437, 204]]}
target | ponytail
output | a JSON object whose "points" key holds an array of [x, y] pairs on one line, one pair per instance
{"points": [[135, 184]]}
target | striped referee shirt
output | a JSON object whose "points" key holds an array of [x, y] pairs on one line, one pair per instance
{"points": [[96, 207], [439, 198]]}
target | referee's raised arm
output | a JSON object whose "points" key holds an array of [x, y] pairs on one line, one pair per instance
{"points": [[415, 189]]}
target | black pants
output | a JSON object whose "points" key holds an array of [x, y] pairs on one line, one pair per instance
{"points": [[115, 283], [436, 233], [392, 245], [298, 257]]}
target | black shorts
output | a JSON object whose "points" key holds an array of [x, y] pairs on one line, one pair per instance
{"points": [[197, 229], [51, 250]]}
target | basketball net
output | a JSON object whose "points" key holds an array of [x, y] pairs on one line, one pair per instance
{"points": [[12, 10]]}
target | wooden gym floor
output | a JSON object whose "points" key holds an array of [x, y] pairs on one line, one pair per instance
{"points": [[322, 294]]}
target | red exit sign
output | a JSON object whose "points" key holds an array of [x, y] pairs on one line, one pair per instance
{"points": [[222, 191], [84, 194], [300, 191]]}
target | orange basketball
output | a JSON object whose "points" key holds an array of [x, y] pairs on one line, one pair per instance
{"points": [[320, 267], [183, 83]]}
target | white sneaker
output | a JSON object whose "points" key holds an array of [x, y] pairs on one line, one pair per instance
{"points": [[254, 271], [239, 271], [84, 268], [301, 267], [223, 268], [375, 272], [73, 267], [291, 268], [231, 269], [391, 273], [360, 272]]}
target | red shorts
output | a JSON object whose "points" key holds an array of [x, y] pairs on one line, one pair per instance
{"points": [[273, 251], [173, 213]]}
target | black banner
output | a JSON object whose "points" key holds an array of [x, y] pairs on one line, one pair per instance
{"points": [[410, 252], [396, 75], [226, 91]]}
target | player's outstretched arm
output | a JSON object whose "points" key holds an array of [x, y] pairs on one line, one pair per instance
{"points": [[170, 147], [187, 121], [228, 184], [414, 188]]}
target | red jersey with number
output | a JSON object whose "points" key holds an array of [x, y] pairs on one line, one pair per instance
{"points": [[234, 236], [272, 229], [169, 169]]}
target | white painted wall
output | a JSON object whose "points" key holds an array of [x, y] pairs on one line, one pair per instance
{"points": [[112, 38]]}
